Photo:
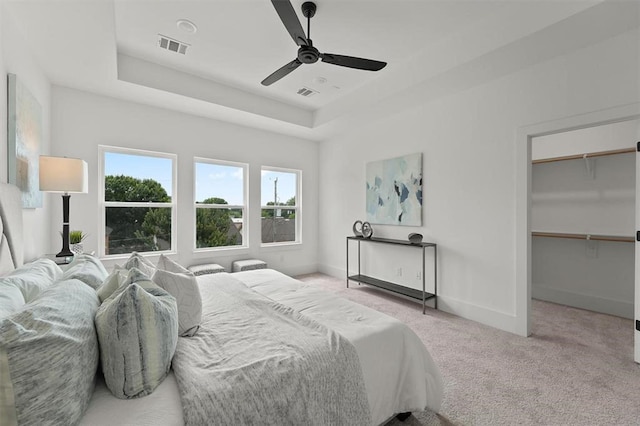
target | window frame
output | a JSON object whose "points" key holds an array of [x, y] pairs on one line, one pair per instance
{"points": [[244, 208], [297, 207], [103, 205]]}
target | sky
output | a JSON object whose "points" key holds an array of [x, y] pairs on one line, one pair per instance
{"points": [[212, 180]]}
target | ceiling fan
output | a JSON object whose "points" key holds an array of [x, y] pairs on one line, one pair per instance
{"points": [[307, 54]]}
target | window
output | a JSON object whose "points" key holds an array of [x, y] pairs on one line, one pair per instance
{"points": [[138, 201], [220, 203], [280, 205]]}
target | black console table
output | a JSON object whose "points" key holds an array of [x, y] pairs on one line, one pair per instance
{"points": [[397, 288]]}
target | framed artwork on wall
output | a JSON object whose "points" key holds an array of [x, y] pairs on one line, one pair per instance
{"points": [[24, 137], [394, 191]]}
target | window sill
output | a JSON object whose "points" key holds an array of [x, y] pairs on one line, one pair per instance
{"points": [[292, 245]]}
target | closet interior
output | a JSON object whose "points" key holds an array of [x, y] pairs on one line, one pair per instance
{"points": [[583, 194]]}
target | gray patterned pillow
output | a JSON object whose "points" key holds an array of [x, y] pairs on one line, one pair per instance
{"points": [[49, 357], [182, 285], [87, 269], [138, 333], [136, 260]]}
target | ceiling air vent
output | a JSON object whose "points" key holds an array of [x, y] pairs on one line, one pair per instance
{"points": [[305, 91], [171, 44]]}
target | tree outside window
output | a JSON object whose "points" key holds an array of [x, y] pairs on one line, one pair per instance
{"points": [[220, 203], [137, 204]]}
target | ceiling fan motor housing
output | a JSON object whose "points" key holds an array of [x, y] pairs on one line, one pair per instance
{"points": [[308, 54]]}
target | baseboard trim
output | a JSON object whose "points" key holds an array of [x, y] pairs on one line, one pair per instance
{"points": [[292, 271], [492, 318], [583, 301]]}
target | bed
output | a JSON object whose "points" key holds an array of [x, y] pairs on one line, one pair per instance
{"points": [[374, 362]]}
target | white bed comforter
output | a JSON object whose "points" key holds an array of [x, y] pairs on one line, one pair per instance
{"points": [[255, 361], [399, 373]]}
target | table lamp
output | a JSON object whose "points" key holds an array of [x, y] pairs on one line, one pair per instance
{"points": [[64, 175]]}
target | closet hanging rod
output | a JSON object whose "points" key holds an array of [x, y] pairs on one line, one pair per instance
{"points": [[586, 155], [615, 238]]}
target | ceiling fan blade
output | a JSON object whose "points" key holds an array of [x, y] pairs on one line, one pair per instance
{"points": [[351, 62], [290, 20], [281, 72]]}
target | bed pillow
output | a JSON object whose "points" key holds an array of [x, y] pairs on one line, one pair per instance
{"points": [[110, 284], [181, 284], [86, 268], [136, 260], [33, 277], [117, 278], [138, 332], [11, 299], [49, 357]]}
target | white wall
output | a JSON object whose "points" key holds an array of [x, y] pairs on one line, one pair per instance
{"points": [[566, 198], [82, 121], [469, 157], [16, 59]]}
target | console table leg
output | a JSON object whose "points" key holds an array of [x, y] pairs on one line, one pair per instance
{"points": [[347, 263]]}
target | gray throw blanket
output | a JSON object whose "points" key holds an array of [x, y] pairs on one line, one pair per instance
{"points": [[257, 362]]}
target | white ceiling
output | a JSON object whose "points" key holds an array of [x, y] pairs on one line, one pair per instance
{"points": [[111, 48]]}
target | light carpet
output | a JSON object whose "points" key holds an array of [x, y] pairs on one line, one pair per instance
{"points": [[577, 368]]}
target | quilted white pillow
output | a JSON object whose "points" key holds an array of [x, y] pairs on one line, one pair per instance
{"points": [[11, 299], [31, 278], [182, 285]]}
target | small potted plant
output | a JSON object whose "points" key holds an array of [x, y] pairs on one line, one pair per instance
{"points": [[75, 240]]}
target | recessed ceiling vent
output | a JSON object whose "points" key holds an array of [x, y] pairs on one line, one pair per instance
{"points": [[171, 44], [305, 91]]}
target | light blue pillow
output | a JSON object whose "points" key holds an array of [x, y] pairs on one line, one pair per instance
{"points": [[88, 269], [49, 357]]}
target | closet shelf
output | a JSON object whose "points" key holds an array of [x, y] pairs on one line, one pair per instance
{"points": [[592, 237], [586, 155]]}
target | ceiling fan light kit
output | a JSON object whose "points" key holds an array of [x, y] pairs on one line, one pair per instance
{"points": [[307, 53]]}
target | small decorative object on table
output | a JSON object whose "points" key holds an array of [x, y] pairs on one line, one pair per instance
{"points": [[367, 230], [357, 228], [415, 238], [75, 240]]}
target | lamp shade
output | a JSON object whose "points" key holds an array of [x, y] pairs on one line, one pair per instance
{"points": [[62, 174]]}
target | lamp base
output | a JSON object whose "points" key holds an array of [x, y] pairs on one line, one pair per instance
{"points": [[64, 253]]}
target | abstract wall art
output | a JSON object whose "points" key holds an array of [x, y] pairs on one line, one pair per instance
{"points": [[24, 137], [394, 191]]}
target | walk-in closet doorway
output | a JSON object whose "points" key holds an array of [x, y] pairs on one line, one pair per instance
{"points": [[577, 215]]}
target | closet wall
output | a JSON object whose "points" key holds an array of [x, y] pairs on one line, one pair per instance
{"points": [[592, 197]]}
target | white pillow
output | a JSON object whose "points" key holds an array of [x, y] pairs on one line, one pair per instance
{"points": [[111, 283], [182, 285], [33, 277], [11, 299], [120, 277]]}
